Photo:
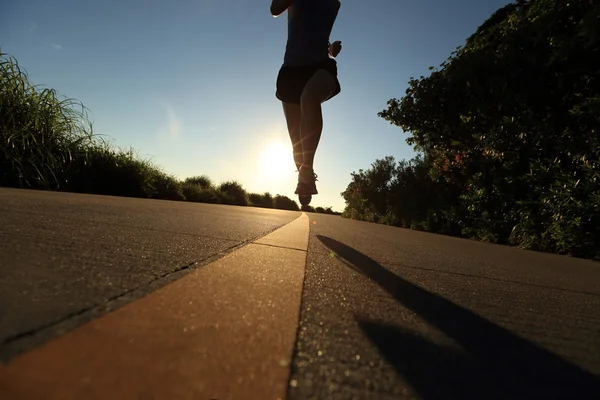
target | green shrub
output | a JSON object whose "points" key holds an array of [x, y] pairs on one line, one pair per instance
{"points": [[510, 129], [234, 193], [261, 200], [285, 203], [203, 181], [197, 193], [101, 169], [167, 187]]}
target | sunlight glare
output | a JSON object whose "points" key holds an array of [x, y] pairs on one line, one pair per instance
{"points": [[276, 161]]}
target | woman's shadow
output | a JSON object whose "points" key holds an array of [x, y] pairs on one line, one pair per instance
{"points": [[495, 363]]}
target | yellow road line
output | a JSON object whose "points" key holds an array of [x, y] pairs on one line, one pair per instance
{"points": [[224, 331]]}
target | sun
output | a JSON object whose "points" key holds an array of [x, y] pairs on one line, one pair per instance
{"points": [[276, 161]]}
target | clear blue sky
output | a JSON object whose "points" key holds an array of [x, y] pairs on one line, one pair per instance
{"points": [[190, 83]]}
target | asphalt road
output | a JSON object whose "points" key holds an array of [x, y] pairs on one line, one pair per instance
{"points": [[386, 313], [67, 258], [396, 314]]}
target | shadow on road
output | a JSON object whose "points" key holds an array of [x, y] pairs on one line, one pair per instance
{"points": [[495, 363]]}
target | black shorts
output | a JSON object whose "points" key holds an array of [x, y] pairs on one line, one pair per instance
{"points": [[291, 80]]}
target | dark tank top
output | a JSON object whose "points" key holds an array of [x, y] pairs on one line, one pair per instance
{"points": [[309, 26]]}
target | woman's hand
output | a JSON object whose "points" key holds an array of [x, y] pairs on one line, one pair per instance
{"points": [[279, 6], [335, 48]]}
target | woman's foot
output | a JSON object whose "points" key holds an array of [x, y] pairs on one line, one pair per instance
{"points": [[306, 182], [304, 199]]}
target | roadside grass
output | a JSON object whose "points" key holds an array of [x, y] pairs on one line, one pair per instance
{"points": [[40, 134], [47, 143]]}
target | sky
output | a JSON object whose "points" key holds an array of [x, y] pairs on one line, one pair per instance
{"points": [[190, 84]]}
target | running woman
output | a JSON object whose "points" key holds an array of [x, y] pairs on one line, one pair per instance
{"points": [[307, 78]]}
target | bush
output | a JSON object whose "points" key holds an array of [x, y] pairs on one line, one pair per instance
{"points": [[261, 200], [197, 193], [167, 187], [510, 126], [285, 203], [202, 181], [101, 169], [234, 193]]}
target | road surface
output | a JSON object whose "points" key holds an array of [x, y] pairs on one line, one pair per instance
{"points": [[281, 304]]}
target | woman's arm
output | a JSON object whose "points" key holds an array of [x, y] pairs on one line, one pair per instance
{"points": [[279, 6], [335, 47]]}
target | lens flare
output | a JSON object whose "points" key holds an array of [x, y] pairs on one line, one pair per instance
{"points": [[275, 161]]}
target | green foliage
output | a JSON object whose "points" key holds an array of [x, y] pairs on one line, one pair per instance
{"points": [[261, 200], [285, 203], [407, 196], [167, 187], [235, 193], [199, 194], [202, 181], [39, 132], [101, 169], [510, 122], [325, 210]]}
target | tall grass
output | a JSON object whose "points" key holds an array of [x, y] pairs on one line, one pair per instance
{"points": [[40, 134], [47, 142]]}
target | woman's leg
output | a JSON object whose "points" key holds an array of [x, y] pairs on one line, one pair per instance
{"points": [[318, 89], [293, 114]]}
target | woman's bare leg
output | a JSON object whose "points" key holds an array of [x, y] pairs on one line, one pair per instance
{"points": [[293, 115], [317, 90]]}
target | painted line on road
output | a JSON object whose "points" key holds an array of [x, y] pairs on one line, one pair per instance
{"points": [[224, 331]]}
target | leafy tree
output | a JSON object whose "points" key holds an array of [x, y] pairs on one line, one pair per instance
{"points": [[368, 193], [511, 123], [405, 195]]}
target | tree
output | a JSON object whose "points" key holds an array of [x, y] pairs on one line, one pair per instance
{"points": [[402, 194], [513, 118]]}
